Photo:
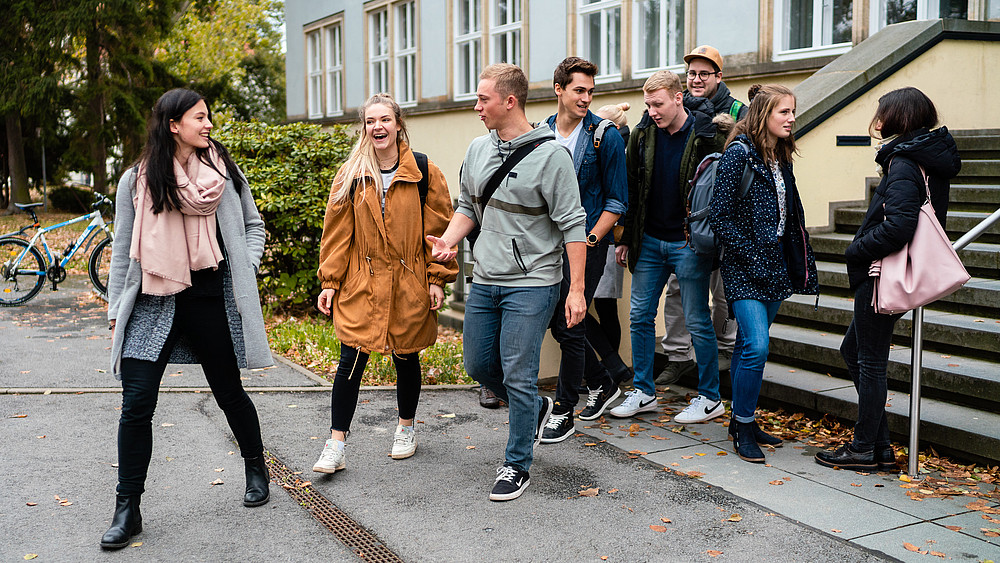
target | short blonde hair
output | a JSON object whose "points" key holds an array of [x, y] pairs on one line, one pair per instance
{"points": [[509, 80], [614, 112], [663, 79]]}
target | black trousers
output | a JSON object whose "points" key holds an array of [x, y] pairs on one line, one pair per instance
{"points": [[203, 321], [347, 384]]}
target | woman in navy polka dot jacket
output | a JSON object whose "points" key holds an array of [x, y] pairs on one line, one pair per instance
{"points": [[766, 255]]}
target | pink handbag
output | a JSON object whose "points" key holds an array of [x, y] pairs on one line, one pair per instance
{"points": [[924, 270]]}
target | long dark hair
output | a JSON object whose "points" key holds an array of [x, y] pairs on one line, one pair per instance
{"points": [[763, 100], [903, 111], [158, 155]]}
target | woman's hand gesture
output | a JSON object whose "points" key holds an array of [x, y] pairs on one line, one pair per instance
{"points": [[437, 296], [325, 301]]}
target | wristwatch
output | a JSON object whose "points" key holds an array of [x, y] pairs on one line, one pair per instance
{"points": [[591, 238]]}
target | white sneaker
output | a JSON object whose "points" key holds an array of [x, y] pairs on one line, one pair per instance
{"points": [[635, 402], [332, 458], [701, 409], [404, 442]]}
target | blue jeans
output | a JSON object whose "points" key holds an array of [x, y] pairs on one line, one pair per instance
{"points": [[502, 342], [866, 352], [657, 260], [754, 320]]}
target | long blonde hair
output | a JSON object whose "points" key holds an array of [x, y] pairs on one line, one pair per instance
{"points": [[763, 100], [362, 163]]}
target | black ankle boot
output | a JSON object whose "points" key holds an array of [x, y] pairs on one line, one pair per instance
{"points": [[258, 478], [762, 438], [885, 459], [845, 457], [745, 443], [126, 523]]}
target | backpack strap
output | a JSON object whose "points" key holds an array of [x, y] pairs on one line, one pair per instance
{"points": [[599, 131], [422, 186], [748, 172], [734, 110]]}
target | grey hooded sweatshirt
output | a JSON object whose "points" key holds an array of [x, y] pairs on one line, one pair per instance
{"points": [[534, 211]]}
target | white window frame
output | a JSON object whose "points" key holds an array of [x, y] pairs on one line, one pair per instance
{"points": [[378, 51], [510, 32], [314, 73], [472, 44], [639, 41], [926, 10], [405, 53], [782, 54], [334, 35], [604, 7]]}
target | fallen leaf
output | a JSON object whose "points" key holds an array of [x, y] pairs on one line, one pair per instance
{"points": [[699, 455], [835, 530], [905, 478], [31, 503], [695, 474], [604, 558], [590, 444], [31, 556], [734, 518], [18, 416], [855, 484], [449, 415], [666, 520], [687, 456], [721, 453], [137, 544], [293, 406], [938, 554], [216, 482], [776, 482], [591, 492], [470, 447], [613, 491], [637, 452], [954, 528], [220, 469], [167, 424], [910, 547], [40, 437], [713, 552], [657, 528]]}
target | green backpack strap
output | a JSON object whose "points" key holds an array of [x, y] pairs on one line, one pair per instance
{"points": [[734, 110]]}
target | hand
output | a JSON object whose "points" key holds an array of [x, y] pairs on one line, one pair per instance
{"points": [[325, 301], [111, 325], [576, 308], [621, 254], [442, 252], [437, 296]]}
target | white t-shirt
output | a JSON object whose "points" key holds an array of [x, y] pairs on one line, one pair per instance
{"points": [[387, 176], [570, 142]]}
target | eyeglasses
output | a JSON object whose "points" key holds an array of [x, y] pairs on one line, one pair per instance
{"points": [[703, 75]]}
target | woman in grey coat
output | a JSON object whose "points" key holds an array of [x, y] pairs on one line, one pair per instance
{"points": [[182, 289]]}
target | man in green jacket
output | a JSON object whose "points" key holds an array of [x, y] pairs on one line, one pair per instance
{"points": [[663, 153]]}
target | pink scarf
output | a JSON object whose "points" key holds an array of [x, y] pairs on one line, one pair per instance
{"points": [[168, 245]]}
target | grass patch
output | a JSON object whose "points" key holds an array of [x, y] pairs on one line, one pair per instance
{"points": [[309, 340]]}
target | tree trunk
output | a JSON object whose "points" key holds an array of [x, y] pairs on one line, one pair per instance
{"points": [[98, 147], [18, 168]]}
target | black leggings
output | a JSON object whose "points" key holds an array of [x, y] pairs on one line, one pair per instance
{"points": [[347, 384], [203, 321]]}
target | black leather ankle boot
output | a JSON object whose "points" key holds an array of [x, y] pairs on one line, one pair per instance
{"points": [[745, 443], [258, 478], [126, 523]]}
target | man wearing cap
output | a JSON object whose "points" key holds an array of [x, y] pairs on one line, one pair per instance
{"points": [[706, 93]]}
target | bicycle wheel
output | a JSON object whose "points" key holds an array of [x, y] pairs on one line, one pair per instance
{"points": [[20, 280], [100, 266]]}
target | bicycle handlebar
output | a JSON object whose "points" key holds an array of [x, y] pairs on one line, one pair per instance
{"points": [[99, 200]]}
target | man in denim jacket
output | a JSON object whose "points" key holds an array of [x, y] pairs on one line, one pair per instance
{"points": [[600, 173]]}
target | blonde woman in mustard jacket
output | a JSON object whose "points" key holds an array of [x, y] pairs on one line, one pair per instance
{"points": [[380, 283]]}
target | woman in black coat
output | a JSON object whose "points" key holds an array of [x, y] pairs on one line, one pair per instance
{"points": [[909, 149]]}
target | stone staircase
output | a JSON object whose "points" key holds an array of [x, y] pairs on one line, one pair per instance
{"points": [[961, 360]]}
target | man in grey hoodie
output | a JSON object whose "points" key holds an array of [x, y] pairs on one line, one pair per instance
{"points": [[518, 256]]}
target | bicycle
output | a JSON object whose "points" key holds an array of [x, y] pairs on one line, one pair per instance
{"points": [[23, 268]]}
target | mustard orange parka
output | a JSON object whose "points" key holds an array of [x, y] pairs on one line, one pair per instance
{"points": [[381, 265]]}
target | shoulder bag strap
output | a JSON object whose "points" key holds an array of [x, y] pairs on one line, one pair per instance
{"points": [[501, 173]]}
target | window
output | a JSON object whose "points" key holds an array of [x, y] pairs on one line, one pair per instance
{"points": [[888, 12], [314, 66], [334, 72], [406, 54], [599, 36], [505, 32], [378, 51], [658, 35], [993, 10], [812, 27], [468, 47]]}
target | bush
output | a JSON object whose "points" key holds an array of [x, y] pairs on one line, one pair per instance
{"points": [[71, 199], [290, 169]]}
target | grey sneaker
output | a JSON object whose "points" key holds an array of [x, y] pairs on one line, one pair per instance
{"points": [[674, 371], [332, 459], [725, 360], [404, 442]]}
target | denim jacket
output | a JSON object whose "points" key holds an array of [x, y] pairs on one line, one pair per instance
{"points": [[600, 173]]}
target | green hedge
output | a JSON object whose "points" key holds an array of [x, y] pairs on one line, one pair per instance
{"points": [[71, 199], [290, 169]]}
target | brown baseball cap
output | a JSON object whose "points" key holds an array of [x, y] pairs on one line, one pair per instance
{"points": [[705, 52]]}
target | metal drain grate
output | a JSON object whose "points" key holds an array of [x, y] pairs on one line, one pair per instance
{"points": [[363, 543]]}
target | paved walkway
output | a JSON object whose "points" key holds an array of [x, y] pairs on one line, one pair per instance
{"points": [[58, 414]]}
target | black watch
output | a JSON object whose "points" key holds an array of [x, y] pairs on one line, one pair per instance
{"points": [[591, 238]]}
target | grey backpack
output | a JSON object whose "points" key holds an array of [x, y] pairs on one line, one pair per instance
{"points": [[696, 226]]}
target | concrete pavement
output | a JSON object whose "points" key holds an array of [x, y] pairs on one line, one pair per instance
{"points": [[431, 507]]}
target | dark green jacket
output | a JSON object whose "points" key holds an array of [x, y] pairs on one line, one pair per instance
{"points": [[705, 138]]}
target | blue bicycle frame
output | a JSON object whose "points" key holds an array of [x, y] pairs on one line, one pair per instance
{"points": [[96, 222]]}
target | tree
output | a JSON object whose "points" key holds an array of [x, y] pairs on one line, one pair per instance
{"points": [[230, 52]]}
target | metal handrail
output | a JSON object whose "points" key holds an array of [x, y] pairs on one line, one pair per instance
{"points": [[916, 358]]}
